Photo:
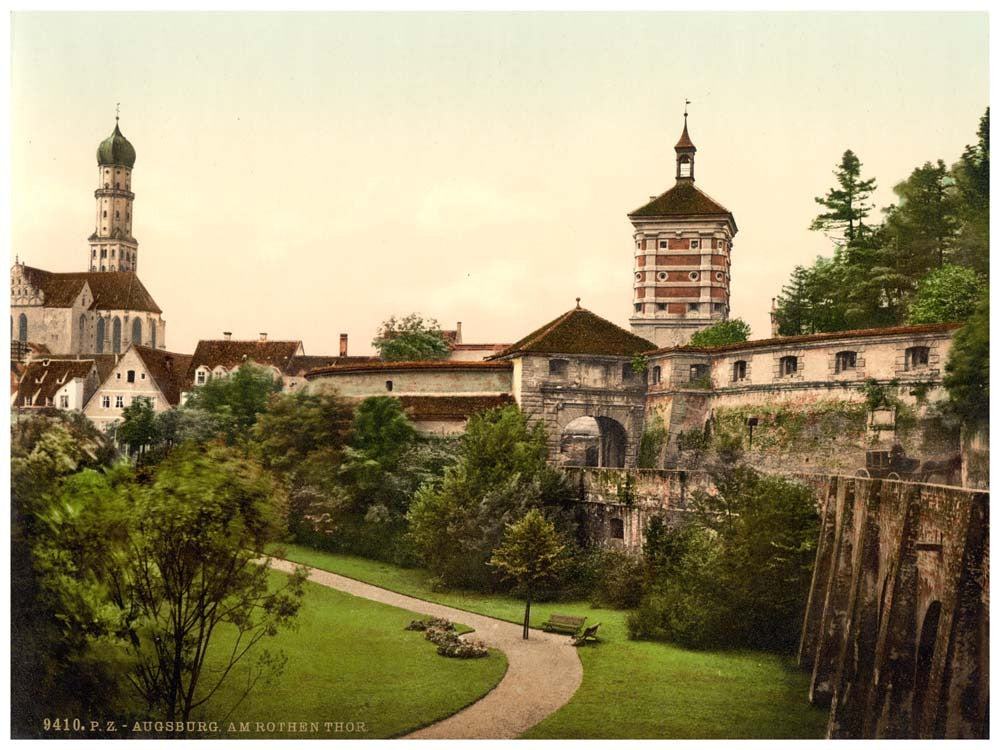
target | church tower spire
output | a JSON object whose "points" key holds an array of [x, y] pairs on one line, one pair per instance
{"points": [[685, 153], [112, 246]]}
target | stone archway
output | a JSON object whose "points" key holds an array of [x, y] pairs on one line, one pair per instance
{"points": [[594, 441]]}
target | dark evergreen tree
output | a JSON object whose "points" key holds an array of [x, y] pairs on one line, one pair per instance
{"points": [[847, 203]]}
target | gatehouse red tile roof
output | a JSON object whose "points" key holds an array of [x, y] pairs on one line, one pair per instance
{"points": [[451, 408], [683, 199], [112, 290], [579, 331], [812, 337]]}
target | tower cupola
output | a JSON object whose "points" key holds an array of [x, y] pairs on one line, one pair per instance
{"points": [[685, 154], [115, 150]]}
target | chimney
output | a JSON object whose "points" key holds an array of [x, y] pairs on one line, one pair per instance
{"points": [[343, 345], [774, 319], [458, 332], [263, 335], [227, 335]]}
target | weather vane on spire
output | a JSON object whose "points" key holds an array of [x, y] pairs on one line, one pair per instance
{"points": [[117, 105], [686, 103]]}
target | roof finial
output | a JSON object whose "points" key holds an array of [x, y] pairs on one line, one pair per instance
{"points": [[577, 303], [686, 103], [119, 104]]}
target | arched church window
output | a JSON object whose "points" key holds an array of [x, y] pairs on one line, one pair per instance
{"points": [[116, 335], [106, 185], [22, 328], [152, 334], [137, 331], [100, 335], [83, 329], [105, 214]]}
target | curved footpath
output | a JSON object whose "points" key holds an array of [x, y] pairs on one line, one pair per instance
{"points": [[543, 672]]}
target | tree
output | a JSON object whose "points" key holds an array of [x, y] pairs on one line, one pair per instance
{"points": [[294, 427], [847, 203], [813, 301], [502, 473], [531, 555], [724, 332], [190, 568], [947, 294], [410, 339], [138, 431], [236, 401], [967, 372], [925, 222], [972, 180]]}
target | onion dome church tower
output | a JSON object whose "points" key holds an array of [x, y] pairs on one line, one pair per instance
{"points": [[112, 246], [683, 240]]}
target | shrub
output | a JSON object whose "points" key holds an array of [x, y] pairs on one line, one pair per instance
{"points": [[618, 579]]}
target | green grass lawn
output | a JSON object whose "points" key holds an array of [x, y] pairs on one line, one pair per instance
{"points": [[350, 660], [631, 688]]}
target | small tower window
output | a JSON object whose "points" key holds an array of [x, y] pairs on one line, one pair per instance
{"points": [[739, 370], [118, 186], [638, 307], [695, 244], [693, 276], [662, 276], [661, 306], [655, 376], [638, 276], [692, 307], [107, 185], [719, 307], [684, 166], [663, 244], [388, 385], [104, 214], [718, 275], [117, 215]]}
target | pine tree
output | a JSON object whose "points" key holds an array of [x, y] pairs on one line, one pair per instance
{"points": [[847, 203]]}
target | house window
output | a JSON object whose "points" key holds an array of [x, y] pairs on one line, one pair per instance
{"points": [[739, 370], [142, 376], [106, 402], [617, 528], [695, 244], [656, 375], [119, 402], [663, 244], [130, 377], [697, 372], [118, 376], [388, 385], [63, 401], [558, 367], [638, 307], [917, 357], [845, 361], [199, 377], [788, 366]]}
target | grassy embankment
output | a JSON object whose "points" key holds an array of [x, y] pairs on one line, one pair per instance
{"points": [[631, 688], [350, 660]]}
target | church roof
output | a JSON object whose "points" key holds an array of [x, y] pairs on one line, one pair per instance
{"points": [[212, 353], [112, 290], [115, 150], [683, 199], [167, 369], [579, 331]]}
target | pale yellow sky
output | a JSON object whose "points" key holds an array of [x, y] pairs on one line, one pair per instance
{"points": [[311, 174]]}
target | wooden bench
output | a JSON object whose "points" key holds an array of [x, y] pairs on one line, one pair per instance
{"points": [[563, 624], [589, 634]]}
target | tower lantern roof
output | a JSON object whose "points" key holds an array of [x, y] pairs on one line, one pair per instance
{"points": [[115, 150], [685, 144]]}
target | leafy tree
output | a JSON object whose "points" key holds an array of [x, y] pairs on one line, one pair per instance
{"points": [[294, 427], [531, 555], [947, 294], [190, 569], [847, 203], [967, 372], [138, 431], [739, 575], [972, 180], [236, 401], [410, 339], [724, 332], [183, 424], [502, 473]]}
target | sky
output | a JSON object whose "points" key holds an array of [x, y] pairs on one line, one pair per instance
{"points": [[306, 175]]}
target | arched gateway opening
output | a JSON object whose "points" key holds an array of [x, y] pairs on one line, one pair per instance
{"points": [[593, 441]]}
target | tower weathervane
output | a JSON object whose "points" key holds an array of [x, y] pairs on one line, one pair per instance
{"points": [[117, 105], [686, 103]]}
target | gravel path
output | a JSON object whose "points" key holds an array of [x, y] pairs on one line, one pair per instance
{"points": [[543, 672]]}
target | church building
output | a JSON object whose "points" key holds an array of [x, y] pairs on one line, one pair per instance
{"points": [[683, 240], [105, 308]]}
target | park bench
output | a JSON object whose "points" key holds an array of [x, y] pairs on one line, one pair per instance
{"points": [[564, 624], [589, 634]]}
